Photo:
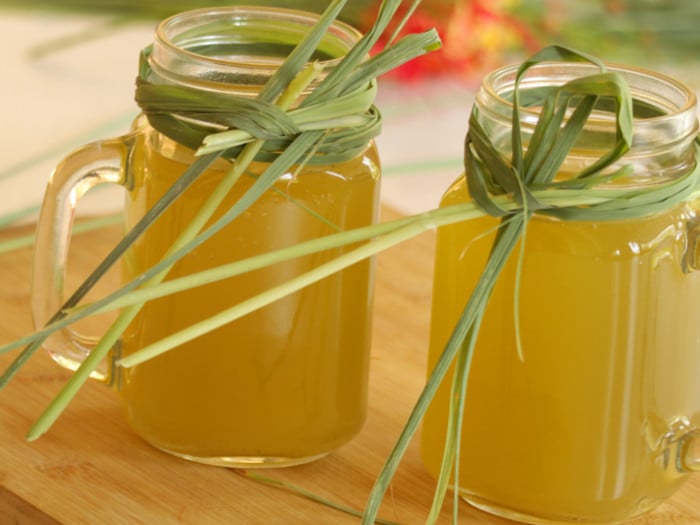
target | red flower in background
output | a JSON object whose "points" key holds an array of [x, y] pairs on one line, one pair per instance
{"points": [[476, 37]]}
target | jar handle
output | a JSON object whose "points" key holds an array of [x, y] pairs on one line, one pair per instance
{"points": [[100, 162], [689, 451], [680, 446]]}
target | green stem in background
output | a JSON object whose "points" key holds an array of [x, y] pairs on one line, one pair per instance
{"points": [[17, 243], [16, 216], [95, 31]]}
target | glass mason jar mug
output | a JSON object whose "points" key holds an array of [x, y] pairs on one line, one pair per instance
{"points": [[600, 420], [287, 383]]}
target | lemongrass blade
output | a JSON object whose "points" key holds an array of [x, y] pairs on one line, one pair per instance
{"points": [[518, 283], [264, 260], [295, 489], [332, 85], [451, 454], [231, 139], [342, 111], [550, 53], [25, 241], [403, 51], [561, 144], [463, 378], [475, 304], [354, 102], [544, 134], [402, 23], [299, 57], [430, 220], [269, 296], [16, 243], [590, 182], [559, 200], [224, 140], [96, 30], [77, 380], [433, 218]]}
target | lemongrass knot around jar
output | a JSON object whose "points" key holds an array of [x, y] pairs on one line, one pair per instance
{"points": [[570, 309], [196, 87]]}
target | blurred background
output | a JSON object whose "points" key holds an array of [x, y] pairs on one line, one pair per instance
{"points": [[68, 68]]}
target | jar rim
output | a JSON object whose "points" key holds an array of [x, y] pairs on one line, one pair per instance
{"points": [[665, 121], [174, 56], [503, 80]]}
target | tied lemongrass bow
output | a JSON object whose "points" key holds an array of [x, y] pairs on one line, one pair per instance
{"points": [[528, 173], [210, 121]]}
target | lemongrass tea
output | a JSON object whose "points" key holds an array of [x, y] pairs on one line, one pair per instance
{"points": [[286, 381], [604, 310], [592, 423]]}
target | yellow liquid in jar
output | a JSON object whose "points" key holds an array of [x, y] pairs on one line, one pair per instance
{"points": [[286, 383], [609, 328]]}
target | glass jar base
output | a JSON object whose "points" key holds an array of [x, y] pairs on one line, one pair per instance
{"points": [[514, 515], [246, 462]]}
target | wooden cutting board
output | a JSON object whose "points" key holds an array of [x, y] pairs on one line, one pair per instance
{"points": [[90, 469]]}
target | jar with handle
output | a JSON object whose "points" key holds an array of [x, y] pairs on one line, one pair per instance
{"points": [[583, 399], [285, 384]]}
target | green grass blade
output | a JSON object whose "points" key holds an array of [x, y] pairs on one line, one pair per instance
{"points": [[562, 144], [450, 464], [332, 85], [477, 301], [299, 491], [301, 54], [462, 378], [271, 295], [500, 173], [548, 54], [16, 216], [544, 135], [125, 297], [405, 50]]}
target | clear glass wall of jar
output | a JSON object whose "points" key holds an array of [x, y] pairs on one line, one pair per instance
{"points": [[593, 425], [287, 383]]}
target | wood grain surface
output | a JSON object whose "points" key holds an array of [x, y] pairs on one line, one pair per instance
{"points": [[91, 469]]}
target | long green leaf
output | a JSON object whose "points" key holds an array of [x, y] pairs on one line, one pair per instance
{"points": [[475, 304]]}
